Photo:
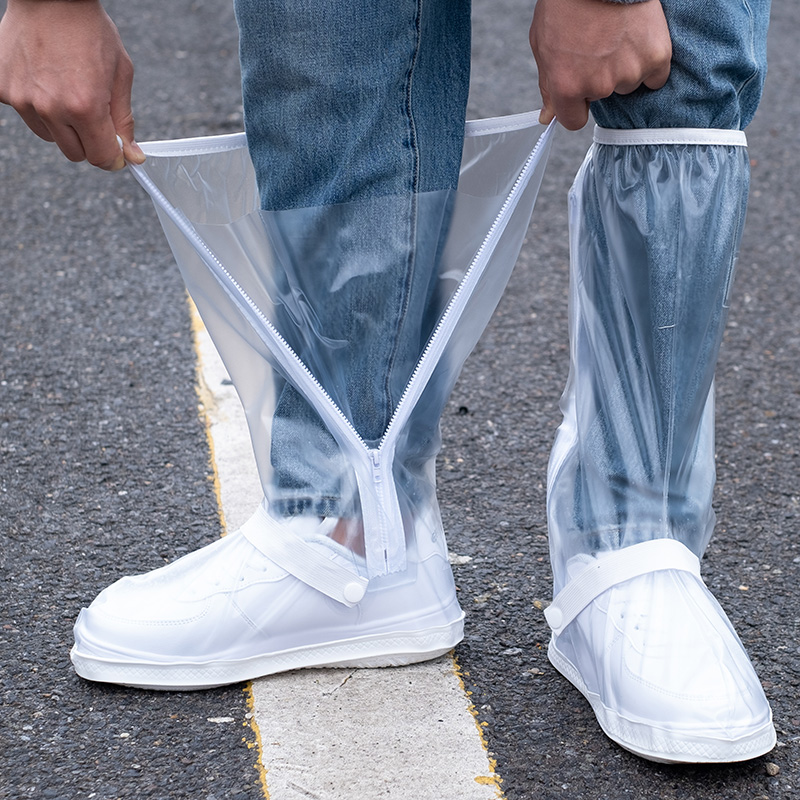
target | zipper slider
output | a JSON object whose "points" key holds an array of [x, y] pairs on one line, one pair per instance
{"points": [[377, 468], [381, 529]]}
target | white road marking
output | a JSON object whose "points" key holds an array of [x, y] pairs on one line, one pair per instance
{"points": [[345, 734]]}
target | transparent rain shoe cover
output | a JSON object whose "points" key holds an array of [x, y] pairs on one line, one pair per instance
{"points": [[344, 328], [657, 658], [655, 222], [654, 234]]}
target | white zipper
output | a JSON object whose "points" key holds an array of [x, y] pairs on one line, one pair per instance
{"points": [[387, 517], [276, 343], [382, 518], [452, 314], [379, 521]]}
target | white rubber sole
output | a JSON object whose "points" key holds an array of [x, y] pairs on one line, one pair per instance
{"points": [[655, 744], [381, 650]]}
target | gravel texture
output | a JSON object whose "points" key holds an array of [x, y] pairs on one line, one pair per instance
{"points": [[104, 465]]}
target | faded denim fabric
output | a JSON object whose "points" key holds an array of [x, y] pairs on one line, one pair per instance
{"points": [[345, 103], [655, 232], [719, 62]]}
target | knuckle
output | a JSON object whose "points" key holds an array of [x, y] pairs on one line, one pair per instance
{"points": [[83, 108], [48, 107], [102, 160]]}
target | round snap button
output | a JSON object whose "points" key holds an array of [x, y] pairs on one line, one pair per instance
{"points": [[354, 592], [554, 616]]}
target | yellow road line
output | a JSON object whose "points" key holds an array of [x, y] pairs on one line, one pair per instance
{"points": [[342, 734]]}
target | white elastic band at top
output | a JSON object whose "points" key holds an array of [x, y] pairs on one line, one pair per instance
{"points": [[306, 562], [614, 568], [714, 136]]}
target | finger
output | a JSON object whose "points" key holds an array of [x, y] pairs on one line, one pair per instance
{"points": [[94, 128], [572, 113], [68, 141], [132, 153], [35, 123], [625, 87], [99, 141], [657, 78], [564, 102], [83, 131]]}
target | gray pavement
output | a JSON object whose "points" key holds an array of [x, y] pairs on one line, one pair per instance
{"points": [[104, 465]]}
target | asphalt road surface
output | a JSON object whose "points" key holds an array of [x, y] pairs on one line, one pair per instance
{"points": [[104, 465]]}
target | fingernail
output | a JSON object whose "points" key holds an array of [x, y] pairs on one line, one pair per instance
{"points": [[139, 152]]}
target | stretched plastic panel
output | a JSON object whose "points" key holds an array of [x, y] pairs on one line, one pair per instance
{"points": [[344, 327]]}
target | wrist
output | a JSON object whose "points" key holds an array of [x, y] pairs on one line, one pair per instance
{"points": [[31, 5], [20, 3]]}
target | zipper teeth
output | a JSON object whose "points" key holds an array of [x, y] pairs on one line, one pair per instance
{"points": [[277, 335], [189, 229], [444, 319]]}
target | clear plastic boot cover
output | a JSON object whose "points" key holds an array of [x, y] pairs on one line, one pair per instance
{"points": [[344, 332], [655, 219]]}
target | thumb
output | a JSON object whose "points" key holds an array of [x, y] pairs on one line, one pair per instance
{"points": [[547, 114], [130, 150], [122, 116]]}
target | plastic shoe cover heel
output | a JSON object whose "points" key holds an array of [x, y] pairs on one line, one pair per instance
{"points": [[655, 223], [264, 283]]}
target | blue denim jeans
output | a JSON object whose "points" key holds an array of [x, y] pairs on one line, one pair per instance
{"points": [[351, 110], [719, 62], [653, 248], [346, 102]]}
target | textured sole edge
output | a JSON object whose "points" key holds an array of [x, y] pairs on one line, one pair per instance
{"points": [[394, 649], [677, 749]]}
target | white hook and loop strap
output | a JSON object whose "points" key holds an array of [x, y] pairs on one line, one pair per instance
{"points": [[299, 558], [614, 568]]}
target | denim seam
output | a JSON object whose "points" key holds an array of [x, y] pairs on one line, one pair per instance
{"points": [[754, 75], [409, 109], [412, 215]]}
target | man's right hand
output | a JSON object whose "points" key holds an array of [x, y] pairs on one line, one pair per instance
{"points": [[64, 69], [588, 49]]}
